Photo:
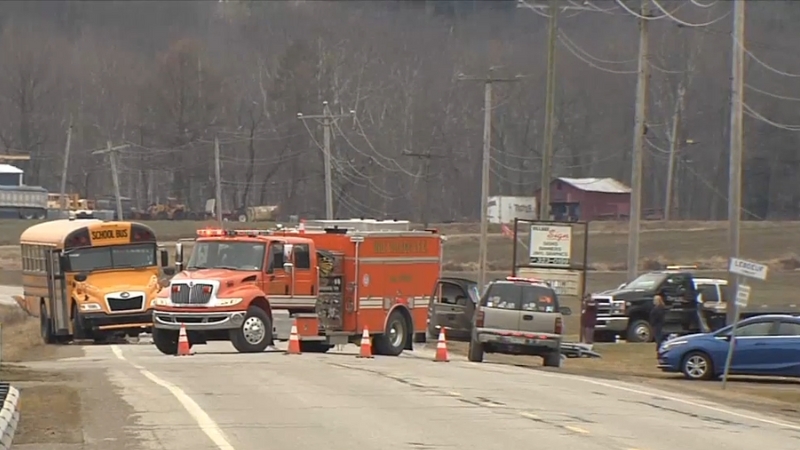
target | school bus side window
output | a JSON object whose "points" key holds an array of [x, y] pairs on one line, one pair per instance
{"points": [[35, 258], [302, 258], [25, 259]]}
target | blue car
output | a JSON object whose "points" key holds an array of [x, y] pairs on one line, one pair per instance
{"points": [[766, 345]]}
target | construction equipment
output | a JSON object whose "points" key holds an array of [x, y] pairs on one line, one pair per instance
{"points": [[171, 210]]}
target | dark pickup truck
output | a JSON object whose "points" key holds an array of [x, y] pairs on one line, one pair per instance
{"points": [[452, 307], [694, 305]]}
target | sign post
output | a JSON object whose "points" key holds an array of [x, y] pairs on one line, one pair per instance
{"points": [[746, 269], [557, 254]]}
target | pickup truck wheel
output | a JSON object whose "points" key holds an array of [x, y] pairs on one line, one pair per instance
{"points": [[552, 359], [697, 366], [166, 341], [393, 340], [640, 331], [255, 334], [475, 353]]}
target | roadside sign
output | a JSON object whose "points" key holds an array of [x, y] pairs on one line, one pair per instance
{"points": [[551, 245], [748, 269], [742, 295]]}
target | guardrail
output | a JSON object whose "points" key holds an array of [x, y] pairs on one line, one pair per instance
{"points": [[9, 415]]}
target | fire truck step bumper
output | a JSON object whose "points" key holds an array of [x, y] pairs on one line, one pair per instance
{"points": [[199, 321]]}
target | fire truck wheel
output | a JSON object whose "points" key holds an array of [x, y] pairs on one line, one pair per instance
{"points": [[253, 336], [166, 341], [393, 340]]}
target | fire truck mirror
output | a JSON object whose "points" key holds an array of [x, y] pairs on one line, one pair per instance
{"points": [[178, 256], [288, 267]]}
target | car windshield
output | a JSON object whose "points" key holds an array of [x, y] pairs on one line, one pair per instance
{"points": [[112, 257], [646, 281], [227, 255]]}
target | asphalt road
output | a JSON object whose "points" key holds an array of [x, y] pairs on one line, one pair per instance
{"points": [[220, 400]]}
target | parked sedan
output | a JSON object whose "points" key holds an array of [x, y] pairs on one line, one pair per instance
{"points": [[766, 345]]}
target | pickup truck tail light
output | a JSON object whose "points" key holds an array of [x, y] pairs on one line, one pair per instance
{"points": [[479, 316], [559, 326]]}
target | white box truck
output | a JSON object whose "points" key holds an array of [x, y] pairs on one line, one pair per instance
{"points": [[503, 209]]}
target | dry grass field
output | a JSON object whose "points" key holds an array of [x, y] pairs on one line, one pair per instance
{"points": [[680, 242], [52, 405]]}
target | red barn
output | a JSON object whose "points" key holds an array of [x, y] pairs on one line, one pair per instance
{"points": [[584, 199]]}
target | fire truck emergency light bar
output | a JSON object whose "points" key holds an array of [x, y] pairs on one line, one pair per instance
{"points": [[218, 232]]}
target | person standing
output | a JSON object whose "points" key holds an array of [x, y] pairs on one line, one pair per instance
{"points": [[588, 318], [657, 316]]}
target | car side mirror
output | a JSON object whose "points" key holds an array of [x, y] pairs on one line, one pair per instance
{"points": [[81, 277], [288, 267], [565, 311], [169, 271], [164, 255]]}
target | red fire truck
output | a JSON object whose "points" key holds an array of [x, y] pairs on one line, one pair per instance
{"points": [[333, 281]]}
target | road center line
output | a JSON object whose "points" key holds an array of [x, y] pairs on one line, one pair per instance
{"points": [[203, 420]]}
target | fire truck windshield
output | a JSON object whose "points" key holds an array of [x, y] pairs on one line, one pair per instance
{"points": [[227, 255]]}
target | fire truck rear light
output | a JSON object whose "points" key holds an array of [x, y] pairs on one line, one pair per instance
{"points": [[559, 326], [479, 319]]}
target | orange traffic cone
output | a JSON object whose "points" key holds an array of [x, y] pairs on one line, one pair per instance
{"points": [[441, 348], [366, 345], [294, 341], [183, 343]]}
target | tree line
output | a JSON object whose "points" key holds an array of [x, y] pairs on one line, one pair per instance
{"points": [[168, 78]]}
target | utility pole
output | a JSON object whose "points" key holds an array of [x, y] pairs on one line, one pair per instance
{"points": [[218, 177], [639, 129], [63, 197], [488, 81], [424, 197], [736, 143], [673, 149], [549, 120], [112, 157], [327, 121]]}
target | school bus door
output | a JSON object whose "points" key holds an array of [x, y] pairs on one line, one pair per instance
{"points": [[57, 290]]}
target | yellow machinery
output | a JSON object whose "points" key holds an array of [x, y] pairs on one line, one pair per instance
{"points": [[74, 202], [172, 210]]}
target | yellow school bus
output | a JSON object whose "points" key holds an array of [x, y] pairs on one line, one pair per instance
{"points": [[90, 279]]}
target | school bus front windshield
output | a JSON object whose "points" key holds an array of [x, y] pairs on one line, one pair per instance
{"points": [[130, 256]]}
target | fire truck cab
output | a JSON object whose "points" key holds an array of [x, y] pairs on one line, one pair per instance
{"points": [[332, 280]]}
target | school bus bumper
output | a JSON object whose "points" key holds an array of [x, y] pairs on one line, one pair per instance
{"points": [[199, 321], [101, 321]]}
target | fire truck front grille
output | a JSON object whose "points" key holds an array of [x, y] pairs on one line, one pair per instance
{"points": [[198, 294]]}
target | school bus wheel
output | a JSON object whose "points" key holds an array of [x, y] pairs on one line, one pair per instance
{"points": [[78, 330], [46, 327]]}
